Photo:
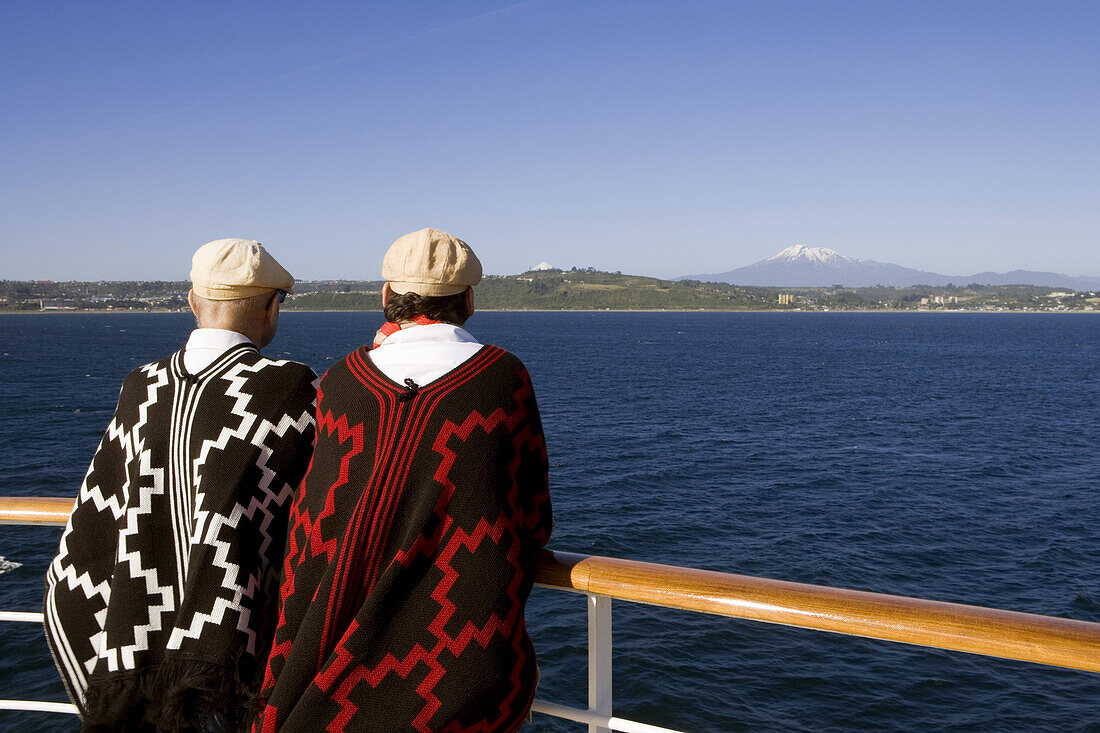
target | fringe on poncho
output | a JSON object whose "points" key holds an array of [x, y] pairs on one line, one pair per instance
{"points": [[160, 603], [411, 554]]}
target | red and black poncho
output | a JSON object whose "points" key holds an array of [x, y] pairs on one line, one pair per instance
{"points": [[411, 554]]}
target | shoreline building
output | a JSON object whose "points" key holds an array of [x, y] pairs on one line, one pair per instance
{"points": [[57, 304]]}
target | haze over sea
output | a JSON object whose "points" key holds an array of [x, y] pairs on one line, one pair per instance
{"points": [[951, 457]]}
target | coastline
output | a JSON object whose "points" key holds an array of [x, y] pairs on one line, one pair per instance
{"points": [[286, 311]]}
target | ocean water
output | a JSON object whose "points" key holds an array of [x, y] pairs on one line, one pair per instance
{"points": [[944, 456]]}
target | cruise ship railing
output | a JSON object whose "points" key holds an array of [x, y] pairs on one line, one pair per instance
{"points": [[1025, 637]]}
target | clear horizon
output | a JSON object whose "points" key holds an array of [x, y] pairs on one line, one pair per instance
{"points": [[529, 268], [655, 138]]}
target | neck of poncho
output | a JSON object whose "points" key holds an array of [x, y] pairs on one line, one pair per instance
{"points": [[228, 356], [364, 367]]}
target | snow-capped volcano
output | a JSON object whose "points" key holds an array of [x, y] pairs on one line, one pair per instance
{"points": [[815, 255], [804, 266]]}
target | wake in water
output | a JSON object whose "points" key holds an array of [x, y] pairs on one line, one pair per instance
{"points": [[6, 565]]}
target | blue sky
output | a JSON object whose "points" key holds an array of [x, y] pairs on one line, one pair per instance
{"points": [[661, 138]]}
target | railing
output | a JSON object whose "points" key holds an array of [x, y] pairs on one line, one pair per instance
{"points": [[1007, 634]]}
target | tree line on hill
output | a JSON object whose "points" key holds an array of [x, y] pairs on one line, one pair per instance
{"points": [[578, 289]]}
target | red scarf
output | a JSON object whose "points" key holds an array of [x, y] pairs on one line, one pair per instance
{"points": [[389, 327]]}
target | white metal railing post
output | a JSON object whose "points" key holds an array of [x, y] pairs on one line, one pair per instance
{"points": [[599, 659]]}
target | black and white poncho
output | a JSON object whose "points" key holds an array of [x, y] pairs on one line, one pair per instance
{"points": [[160, 603]]}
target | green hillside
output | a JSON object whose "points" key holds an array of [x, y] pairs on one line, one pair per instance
{"points": [[585, 289], [561, 290]]}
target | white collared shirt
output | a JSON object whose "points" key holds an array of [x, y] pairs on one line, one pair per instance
{"points": [[207, 344], [424, 353]]}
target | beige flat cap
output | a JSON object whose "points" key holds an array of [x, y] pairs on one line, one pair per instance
{"points": [[430, 262], [228, 269]]}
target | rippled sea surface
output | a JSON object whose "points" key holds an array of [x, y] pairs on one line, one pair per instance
{"points": [[952, 457]]}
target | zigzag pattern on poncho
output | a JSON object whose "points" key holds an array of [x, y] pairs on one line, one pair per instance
{"points": [[411, 554], [162, 596]]}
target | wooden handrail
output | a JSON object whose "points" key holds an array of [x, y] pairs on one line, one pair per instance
{"points": [[1007, 634], [35, 509], [1026, 637]]}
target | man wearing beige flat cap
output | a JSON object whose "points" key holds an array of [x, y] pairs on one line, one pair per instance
{"points": [[160, 603], [414, 537]]}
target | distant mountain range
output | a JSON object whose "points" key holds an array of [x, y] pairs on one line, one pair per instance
{"points": [[802, 266]]}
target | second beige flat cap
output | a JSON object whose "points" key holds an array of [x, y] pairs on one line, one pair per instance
{"points": [[430, 262]]}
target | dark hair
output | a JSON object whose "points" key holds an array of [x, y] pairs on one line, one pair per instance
{"points": [[446, 308]]}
